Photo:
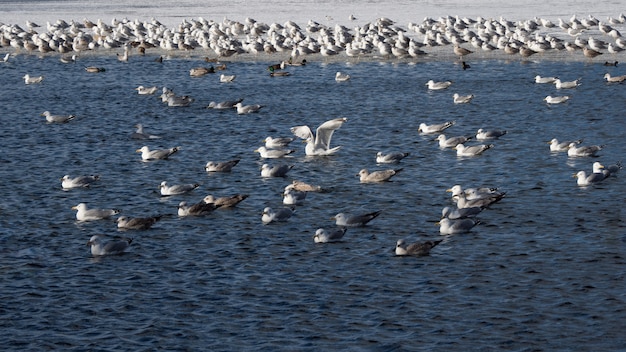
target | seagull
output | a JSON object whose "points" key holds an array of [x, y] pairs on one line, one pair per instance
{"points": [[432, 85], [32, 80], [68, 59], [141, 90], [582, 179], [279, 215], [157, 154], [319, 143], [390, 158], [591, 150], [57, 118], [225, 202], [482, 134], [434, 128], [291, 196], [342, 77], [224, 105], [183, 100], [6, 58], [539, 79], [473, 150], [126, 223], [305, 187], [616, 79], [197, 209], [223, 166], [567, 84], [377, 176], [451, 142], [173, 190], [347, 220], [78, 182], [475, 193], [247, 109], [556, 146], [462, 99], [460, 52], [418, 249], [140, 134], [273, 153], [227, 78], [323, 236], [275, 171], [463, 202], [278, 142], [556, 100], [84, 214], [201, 71], [451, 227], [456, 213], [98, 247]]}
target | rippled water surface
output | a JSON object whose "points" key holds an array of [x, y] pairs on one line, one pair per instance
{"points": [[543, 271]]}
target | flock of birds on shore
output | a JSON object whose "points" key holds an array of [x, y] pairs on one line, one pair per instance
{"points": [[382, 36]]}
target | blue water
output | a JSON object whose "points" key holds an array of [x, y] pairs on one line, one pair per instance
{"points": [[543, 271]]}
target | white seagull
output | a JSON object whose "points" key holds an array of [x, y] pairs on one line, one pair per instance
{"points": [[462, 99], [99, 247], [434, 128], [342, 77], [57, 118], [319, 143], [147, 154], [84, 214], [556, 100], [68, 182], [323, 236], [167, 190], [432, 85], [418, 249]]}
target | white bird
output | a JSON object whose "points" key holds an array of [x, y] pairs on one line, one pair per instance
{"points": [[293, 197], [348, 220], [183, 100], [197, 209], [390, 158], [247, 109], [278, 142], [323, 236], [126, 223], [460, 213], [57, 118], [224, 105], [434, 128], [614, 79], [463, 202], [451, 227], [418, 249], [275, 171], [377, 176], [432, 85], [482, 134], [475, 193], [462, 99], [221, 166], [273, 153], [539, 79], [556, 100], [141, 90], [319, 143], [473, 150], [342, 77], [157, 154], [32, 80], [167, 190], [451, 142], [68, 182], [556, 146], [282, 214], [140, 134], [582, 179], [99, 247], [590, 150], [6, 58], [227, 78], [84, 214], [567, 84]]}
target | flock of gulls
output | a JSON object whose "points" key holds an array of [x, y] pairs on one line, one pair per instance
{"points": [[382, 38]]}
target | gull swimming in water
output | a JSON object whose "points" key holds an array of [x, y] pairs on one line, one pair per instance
{"points": [[183, 100], [462, 99], [273, 153], [247, 109], [32, 80], [377, 176], [460, 213], [342, 77], [140, 134], [614, 79], [84, 214], [197, 209], [225, 202], [173, 190], [463, 202], [291, 196], [390, 158], [323, 236], [460, 51], [227, 78], [432, 85], [566, 85], [452, 227], [127, 223], [474, 193], [590, 150], [556, 146], [434, 128], [473, 150], [556, 100], [319, 143], [451, 142], [275, 171], [157, 154], [99, 247], [482, 134], [418, 249], [282, 214], [141, 90], [224, 105], [57, 118], [222, 166], [278, 142], [68, 182], [348, 220], [539, 79], [305, 187]]}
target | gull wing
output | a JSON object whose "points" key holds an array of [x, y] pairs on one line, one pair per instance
{"points": [[325, 131], [303, 132]]}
